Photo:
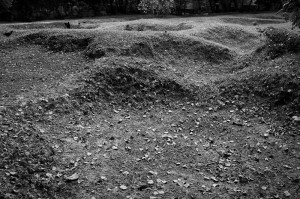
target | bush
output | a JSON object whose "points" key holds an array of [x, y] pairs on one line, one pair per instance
{"points": [[291, 11], [281, 41], [159, 7]]}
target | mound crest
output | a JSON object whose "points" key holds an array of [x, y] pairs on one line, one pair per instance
{"points": [[251, 21], [157, 27], [59, 25], [193, 49], [58, 42], [279, 42], [130, 85], [231, 37], [278, 88]]}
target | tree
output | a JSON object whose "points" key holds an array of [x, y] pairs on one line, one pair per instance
{"points": [[291, 10], [159, 7]]}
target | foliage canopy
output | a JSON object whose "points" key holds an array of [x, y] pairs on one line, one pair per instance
{"points": [[159, 7], [291, 10]]}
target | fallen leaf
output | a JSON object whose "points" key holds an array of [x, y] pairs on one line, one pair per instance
{"points": [[73, 177], [123, 187], [287, 194]]}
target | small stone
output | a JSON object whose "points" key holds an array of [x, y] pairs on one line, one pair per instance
{"points": [[266, 135], [126, 173], [73, 177], [123, 187], [153, 172], [296, 118], [287, 194], [264, 187]]}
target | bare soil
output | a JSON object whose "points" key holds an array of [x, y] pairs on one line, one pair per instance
{"points": [[180, 108]]}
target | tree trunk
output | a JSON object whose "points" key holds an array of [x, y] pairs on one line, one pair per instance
{"points": [[249, 6], [211, 5]]}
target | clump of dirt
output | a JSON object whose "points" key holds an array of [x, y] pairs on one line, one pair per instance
{"points": [[193, 49], [233, 37], [131, 85], [251, 21], [157, 27], [59, 42]]}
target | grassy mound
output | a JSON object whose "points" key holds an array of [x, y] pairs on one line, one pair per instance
{"points": [[130, 83], [251, 21], [277, 87], [235, 37], [59, 25], [58, 41], [38, 25], [279, 42], [137, 49], [193, 49], [159, 47], [157, 27], [126, 44]]}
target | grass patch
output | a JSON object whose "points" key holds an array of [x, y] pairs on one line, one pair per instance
{"points": [[235, 37], [157, 27], [250, 22]]}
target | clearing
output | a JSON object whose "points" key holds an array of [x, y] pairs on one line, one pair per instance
{"points": [[194, 107]]}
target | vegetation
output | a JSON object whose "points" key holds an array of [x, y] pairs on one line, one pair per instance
{"points": [[291, 10], [280, 42], [45, 9], [160, 7]]}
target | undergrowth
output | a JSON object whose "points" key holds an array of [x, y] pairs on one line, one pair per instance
{"points": [[280, 41]]}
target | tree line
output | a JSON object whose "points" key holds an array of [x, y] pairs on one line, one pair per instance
{"points": [[30, 10]]}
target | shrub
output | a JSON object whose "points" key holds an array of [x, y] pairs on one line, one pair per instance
{"points": [[291, 11], [159, 7], [281, 41]]}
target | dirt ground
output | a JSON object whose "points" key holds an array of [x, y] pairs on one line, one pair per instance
{"points": [[133, 107]]}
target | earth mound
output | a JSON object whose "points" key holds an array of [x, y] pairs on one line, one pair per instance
{"points": [[123, 44], [194, 49], [58, 42], [141, 48], [231, 37], [157, 27], [278, 88], [130, 84], [279, 42], [58, 25], [251, 21]]}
